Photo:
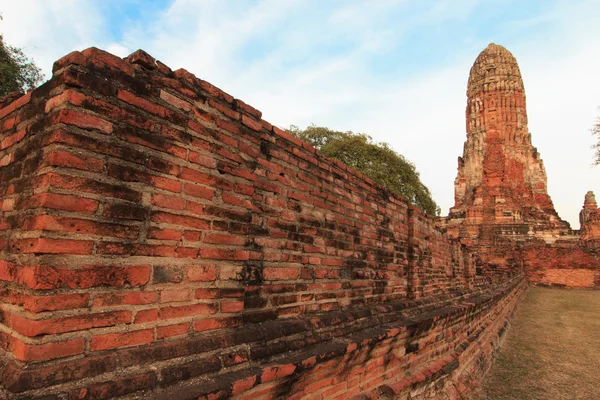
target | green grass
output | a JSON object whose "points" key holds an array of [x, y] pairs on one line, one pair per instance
{"points": [[552, 349]]}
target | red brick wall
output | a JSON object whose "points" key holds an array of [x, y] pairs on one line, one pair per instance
{"points": [[570, 262], [155, 230], [566, 263]]}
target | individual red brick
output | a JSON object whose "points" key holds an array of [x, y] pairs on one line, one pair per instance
{"points": [[63, 202], [84, 121], [119, 340], [32, 328], [167, 184], [56, 302], [194, 207], [192, 236], [266, 125], [176, 295], [132, 298], [218, 238], [172, 330], [7, 271], [203, 160], [51, 246], [175, 101], [142, 58], [8, 204], [142, 103], [181, 220], [240, 386], [192, 310], [15, 105], [164, 234], [207, 293], [225, 254], [60, 158], [244, 189], [153, 250], [48, 351], [68, 96], [186, 252], [145, 316], [128, 211], [250, 150], [12, 139], [232, 306], [193, 175], [281, 273], [174, 203], [251, 123], [198, 191]]}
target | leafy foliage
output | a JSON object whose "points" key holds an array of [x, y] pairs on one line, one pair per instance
{"points": [[378, 161], [596, 132], [17, 72]]}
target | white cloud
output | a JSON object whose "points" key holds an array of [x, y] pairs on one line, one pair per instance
{"points": [[48, 30]]}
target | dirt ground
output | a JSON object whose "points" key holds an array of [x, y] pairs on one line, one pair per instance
{"points": [[552, 349]]}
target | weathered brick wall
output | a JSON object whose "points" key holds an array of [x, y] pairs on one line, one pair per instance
{"points": [[155, 230], [568, 262], [565, 263]]}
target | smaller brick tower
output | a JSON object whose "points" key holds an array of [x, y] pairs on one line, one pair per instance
{"points": [[501, 183], [589, 218]]}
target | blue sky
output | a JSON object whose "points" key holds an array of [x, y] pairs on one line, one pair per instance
{"points": [[395, 69]]}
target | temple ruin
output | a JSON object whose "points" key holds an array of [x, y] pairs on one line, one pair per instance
{"points": [[160, 240], [502, 207]]}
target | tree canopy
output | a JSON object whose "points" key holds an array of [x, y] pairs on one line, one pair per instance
{"points": [[378, 161], [17, 72]]}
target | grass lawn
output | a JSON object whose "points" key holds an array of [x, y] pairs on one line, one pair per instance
{"points": [[552, 349]]}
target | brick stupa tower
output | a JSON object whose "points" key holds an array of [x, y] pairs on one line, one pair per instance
{"points": [[500, 188]]}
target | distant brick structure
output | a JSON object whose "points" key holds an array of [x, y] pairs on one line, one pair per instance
{"points": [[589, 218], [159, 239], [502, 209]]}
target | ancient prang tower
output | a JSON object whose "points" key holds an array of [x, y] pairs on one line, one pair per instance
{"points": [[501, 182], [501, 205]]}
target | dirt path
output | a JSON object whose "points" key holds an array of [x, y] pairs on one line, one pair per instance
{"points": [[552, 350]]}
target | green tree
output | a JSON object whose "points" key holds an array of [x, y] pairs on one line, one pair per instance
{"points": [[17, 72], [378, 161], [596, 132]]}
